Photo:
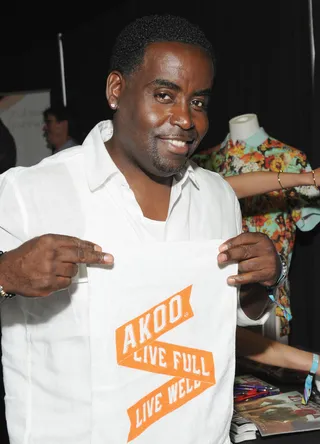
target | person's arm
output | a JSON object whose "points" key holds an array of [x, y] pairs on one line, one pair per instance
{"points": [[260, 182], [267, 351], [46, 264]]}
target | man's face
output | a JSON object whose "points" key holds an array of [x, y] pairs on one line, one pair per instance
{"points": [[162, 115], [52, 129]]}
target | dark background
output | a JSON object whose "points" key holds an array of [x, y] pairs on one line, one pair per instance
{"points": [[264, 66]]}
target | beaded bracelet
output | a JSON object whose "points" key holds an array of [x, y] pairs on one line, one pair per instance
{"points": [[4, 294], [279, 172], [314, 179], [309, 379]]}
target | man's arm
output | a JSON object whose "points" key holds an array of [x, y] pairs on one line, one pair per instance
{"points": [[46, 264], [41, 265]]}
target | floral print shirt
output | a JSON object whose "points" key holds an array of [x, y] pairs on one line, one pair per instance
{"points": [[277, 214]]}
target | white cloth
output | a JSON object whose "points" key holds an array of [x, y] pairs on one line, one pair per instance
{"points": [[163, 326], [48, 343]]}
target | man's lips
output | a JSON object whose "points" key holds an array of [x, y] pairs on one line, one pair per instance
{"points": [[177, 146]]}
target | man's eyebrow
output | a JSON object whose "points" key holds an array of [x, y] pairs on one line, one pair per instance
{"points": [[175, 87], [203, 92], [166, 83]]}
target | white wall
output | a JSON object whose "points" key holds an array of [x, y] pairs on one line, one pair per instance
{"points": [[22, 114]]}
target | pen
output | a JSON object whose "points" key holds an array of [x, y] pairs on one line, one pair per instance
{"points": [[253, 386]]}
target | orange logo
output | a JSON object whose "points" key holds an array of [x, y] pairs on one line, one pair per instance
{"points": [[137, 347]]}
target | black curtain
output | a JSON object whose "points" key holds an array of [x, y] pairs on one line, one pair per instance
{"points": [[304, 273]]}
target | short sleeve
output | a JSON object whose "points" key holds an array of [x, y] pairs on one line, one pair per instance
{"points": [[244, 321]]}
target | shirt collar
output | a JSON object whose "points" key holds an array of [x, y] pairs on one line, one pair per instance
{"points": [[99, 165], [254, 141]]}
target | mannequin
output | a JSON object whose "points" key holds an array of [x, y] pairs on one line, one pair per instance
{"points": [[252, 161], [242, 127]]}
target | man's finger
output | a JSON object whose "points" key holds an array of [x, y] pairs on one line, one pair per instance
{"points": [[81, 244], [66, 269], [95, 257], [61, 240], [62, 283], [247, 278], [76, 255], [238, 253], [241, 239]]}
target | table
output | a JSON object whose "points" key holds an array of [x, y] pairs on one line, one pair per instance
{"points": [[312, 437], [289, 438]]}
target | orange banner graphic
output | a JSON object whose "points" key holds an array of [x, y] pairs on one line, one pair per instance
{"points": [[152, 324], [173, 360], [167, 398], [137, 347]]}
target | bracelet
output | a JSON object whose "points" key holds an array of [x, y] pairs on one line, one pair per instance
{"points": [[3, 294], [314, 179], [283, 274], [309, 379], [279, 179], [272, 290]]}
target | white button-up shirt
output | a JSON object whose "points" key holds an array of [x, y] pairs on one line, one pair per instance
{"points": [[62, 194], [53, 196]]}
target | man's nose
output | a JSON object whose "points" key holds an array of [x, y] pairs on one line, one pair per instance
{"points": [[182, 116]]}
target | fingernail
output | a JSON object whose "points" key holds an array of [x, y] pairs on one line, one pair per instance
{"points": [[97, 248], [231, 281], [107, 258], [223, 247], [222, 257]]}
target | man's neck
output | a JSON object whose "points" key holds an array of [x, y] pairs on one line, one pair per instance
{"points": [[58, 145], [151, 192]]}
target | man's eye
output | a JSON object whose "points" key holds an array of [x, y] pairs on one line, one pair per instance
{"points": [[199, 103], [163, 97]]}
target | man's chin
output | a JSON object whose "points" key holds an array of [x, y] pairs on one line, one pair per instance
{"points": [[167, 169]]}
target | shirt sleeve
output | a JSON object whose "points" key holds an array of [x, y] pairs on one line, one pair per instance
{"points": [[12, 216], [244, 321]]}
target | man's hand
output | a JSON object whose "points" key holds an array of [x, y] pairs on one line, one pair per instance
{"points": [[257, 257], [47, 263]]}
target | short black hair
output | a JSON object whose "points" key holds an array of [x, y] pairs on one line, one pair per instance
{"points": [[62, 113], [129, 48]]}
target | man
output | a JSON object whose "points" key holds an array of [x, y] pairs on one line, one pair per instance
{"points": [[84, 364], [59, 128]]}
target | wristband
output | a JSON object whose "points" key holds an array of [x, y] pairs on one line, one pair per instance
{"points": [[3, 294], [309, 379], [272, 290]]}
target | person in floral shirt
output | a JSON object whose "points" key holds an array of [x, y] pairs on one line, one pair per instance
{"points": [[278, 213]]}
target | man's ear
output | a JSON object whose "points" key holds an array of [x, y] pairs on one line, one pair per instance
{"points": [[114, 88], [64, 126]]}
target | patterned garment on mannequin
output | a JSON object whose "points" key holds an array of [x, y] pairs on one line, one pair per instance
{"points": [[277, 214]]}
